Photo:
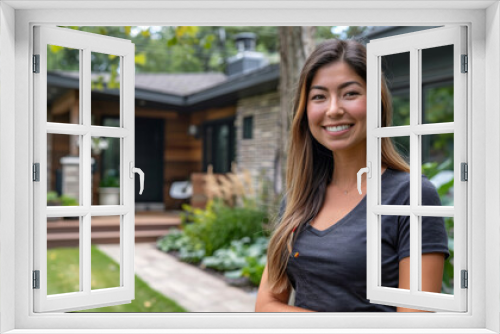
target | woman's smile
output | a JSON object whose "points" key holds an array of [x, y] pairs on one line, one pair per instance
{"points": [[338, 130]]}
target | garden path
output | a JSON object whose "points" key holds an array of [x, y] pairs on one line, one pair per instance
{"points": [[190, 287]]}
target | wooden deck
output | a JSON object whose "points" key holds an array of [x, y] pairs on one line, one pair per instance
{"points": [[149, 226]]}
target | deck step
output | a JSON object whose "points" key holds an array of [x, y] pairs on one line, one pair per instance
{"points": [[65, 233]]}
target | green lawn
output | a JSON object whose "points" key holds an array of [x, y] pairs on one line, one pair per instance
{"points": [[63, 276]]}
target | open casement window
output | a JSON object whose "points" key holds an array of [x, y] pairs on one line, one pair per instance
{"points": [[80, 136], [417, 60]]}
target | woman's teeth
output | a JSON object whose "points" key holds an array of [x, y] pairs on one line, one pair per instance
{"points": [[338, 128]]}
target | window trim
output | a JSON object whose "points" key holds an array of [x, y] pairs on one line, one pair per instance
{"points": [[484, 46]]}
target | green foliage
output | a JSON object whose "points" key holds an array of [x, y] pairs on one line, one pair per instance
{"points": [[65, 200], [223, 238], [110, 181], [254, 269], [220, 224], [227, 258], [243, 258], [176, 240], [52, 196], [69, 201], [431, 169]]}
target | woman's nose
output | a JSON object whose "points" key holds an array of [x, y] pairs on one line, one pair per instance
{"points": [[335, 108]]}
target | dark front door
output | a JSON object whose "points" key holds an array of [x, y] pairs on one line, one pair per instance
{"points": [[149, 136]]}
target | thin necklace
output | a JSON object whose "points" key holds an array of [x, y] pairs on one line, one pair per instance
{"points": [[348, 190]]}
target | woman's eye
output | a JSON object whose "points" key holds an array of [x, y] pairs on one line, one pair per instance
{"points": [[351, 94], [317, 97]]}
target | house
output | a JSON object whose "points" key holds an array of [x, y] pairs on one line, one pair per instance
{"points": [[184, 122]]}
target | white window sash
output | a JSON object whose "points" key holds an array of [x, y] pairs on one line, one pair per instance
{"points": [[86, 297], [413, 43]]}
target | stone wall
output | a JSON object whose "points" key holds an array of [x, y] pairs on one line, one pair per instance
{"points": [[258, 155]]}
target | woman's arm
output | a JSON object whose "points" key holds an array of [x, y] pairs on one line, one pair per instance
{"points": [[271, 302], [432, 275]]}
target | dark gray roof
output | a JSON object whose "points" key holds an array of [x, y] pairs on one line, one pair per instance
{"points": [[181, 84], [386, 31], [187, 91]]}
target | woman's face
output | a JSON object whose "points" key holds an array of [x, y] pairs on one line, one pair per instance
{"points": [[336, 108]]}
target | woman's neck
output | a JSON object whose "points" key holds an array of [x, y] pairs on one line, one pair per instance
{"points": [[346, 167]]}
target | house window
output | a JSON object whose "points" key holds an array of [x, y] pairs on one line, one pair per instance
{"points": [[219, 145], [248, 127]]}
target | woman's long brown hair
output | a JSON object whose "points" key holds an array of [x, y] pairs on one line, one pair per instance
{"points": [[309, 164]]}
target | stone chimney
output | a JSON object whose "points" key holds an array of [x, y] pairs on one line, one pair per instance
{"points": [[247, 58]]}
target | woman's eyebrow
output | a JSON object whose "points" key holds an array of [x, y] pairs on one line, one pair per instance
{"points": [[318, 87], [341, 86], [348, 83]]}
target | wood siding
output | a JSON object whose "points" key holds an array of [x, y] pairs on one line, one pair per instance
{"points": [[182, 154]]}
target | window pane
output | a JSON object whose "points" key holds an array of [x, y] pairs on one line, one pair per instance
{"points": [[63, 82], [106, 171], [63, 255], [399, 149], [437, 166], [395, 246], [437, 84], [105, 272], [438, 238], [396, 69], [63, 170], [222, 162], [105, 89], [248, 127]]}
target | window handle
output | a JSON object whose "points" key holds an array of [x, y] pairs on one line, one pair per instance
{"points": [[368, 171], [133, 170]]}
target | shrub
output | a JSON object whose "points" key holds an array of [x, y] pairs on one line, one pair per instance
{"points": [[218, 225], [65, 200], [243, 259], [69, 201], [177, 240]]}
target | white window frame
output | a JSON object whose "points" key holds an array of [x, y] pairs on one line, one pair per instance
{"points": [[16, 21]]}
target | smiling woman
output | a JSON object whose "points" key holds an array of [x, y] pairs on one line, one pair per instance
{"points": [[319, 245]]}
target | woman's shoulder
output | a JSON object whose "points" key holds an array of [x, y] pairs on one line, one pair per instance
{"points": [[395, 177], [400, 180], [404, 177]]}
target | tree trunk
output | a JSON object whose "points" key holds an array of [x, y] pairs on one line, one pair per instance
{"points": [[296, 43]]}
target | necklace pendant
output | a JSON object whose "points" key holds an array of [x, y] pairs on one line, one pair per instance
{"points": [[345, 192]]}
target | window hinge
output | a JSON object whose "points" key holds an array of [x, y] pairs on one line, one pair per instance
{"points": [[465, 171], [465, 64], [36, 172], [465, 279], [36, 63], [36, 279]]}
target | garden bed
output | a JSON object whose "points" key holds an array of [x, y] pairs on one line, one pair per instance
{"points": [[242, 283]]}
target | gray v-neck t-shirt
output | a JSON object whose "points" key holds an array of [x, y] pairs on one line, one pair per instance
{"points": [[329, 272]]}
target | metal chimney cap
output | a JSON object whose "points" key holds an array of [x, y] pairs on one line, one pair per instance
{"points": [[245, 35]]}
